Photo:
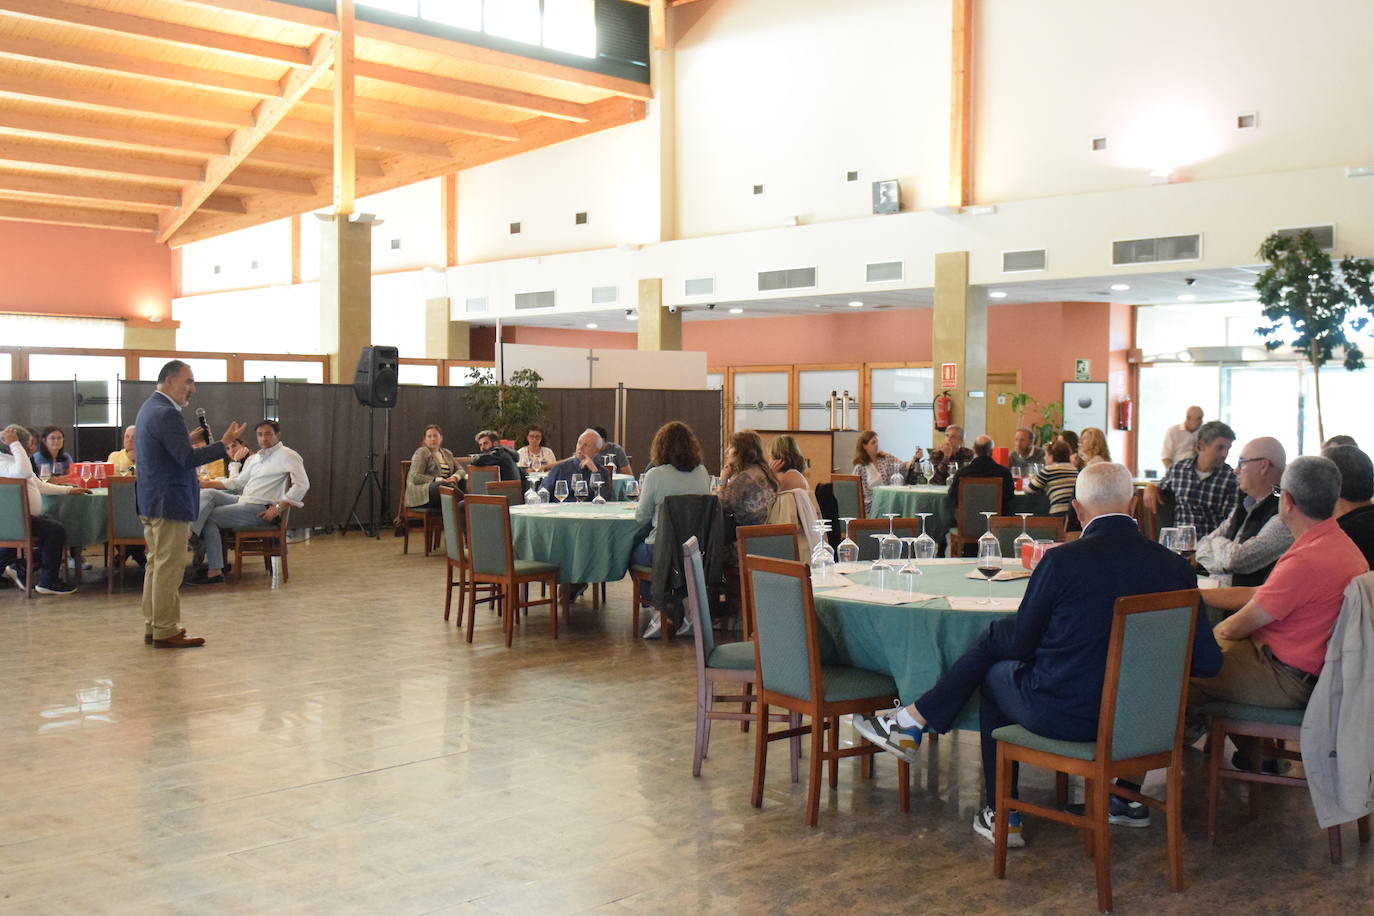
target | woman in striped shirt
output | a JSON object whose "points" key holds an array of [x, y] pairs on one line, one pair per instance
{"points": [[1057, 480]]}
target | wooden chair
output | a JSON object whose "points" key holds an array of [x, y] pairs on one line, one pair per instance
{"points": [[1253, 727], [266, 542], [1041, 527], [787, 663], [430, 519], [510, 489], [16, 526], [644, 575], [1146, 688], [493, 563], [123, 527], [457, 555], [762, 541], [849, 495], [976, 496], [861, 532], [730, 663], [479, 477]]}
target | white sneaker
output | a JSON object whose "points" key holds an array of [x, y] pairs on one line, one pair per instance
{"points": [[984, 823], [57, 589], [685, 629], [655, 626]]}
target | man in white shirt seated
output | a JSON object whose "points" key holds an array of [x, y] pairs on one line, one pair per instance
{"points": [[271, 481], [1181, 441], [51, 536]]}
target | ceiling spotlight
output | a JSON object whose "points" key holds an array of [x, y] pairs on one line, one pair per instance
{"points": [[591, 324], [1120, 287], [1186, 297], [736, 311], [856, 304], [997, 294]]}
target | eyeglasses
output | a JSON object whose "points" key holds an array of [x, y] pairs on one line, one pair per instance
{"points": [[1242, 462]]}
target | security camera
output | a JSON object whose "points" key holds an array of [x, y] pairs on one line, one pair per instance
{"points": [[1189, 281], [629, 312], [672, 309], [710, 307]]}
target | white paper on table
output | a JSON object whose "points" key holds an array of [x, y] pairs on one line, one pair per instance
{"points": [[946, 561], [974, 603], [870, 595], [1006, 575], [856, 566]]}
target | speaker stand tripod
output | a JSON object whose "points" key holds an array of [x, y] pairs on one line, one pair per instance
{"points": [[371, 484]]}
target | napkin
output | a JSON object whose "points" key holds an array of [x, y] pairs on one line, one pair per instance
{"points": [[974, 603], [870, 595], [1005, 575]]}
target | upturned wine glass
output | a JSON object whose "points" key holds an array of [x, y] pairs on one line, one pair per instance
{"points": [[848, 551]]}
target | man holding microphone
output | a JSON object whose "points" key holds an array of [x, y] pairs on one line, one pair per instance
{"points": [[168, 496]]}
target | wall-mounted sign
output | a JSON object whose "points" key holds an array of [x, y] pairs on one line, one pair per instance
{"points": [[1082, 370], [949, 375]]}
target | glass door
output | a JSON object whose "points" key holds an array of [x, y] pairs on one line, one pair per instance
{"points": [[761, 400], [814, 387], [902, 409]]}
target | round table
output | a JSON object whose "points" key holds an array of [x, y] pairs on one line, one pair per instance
{"points": [[587, 542], [82, 514], [907, 501]]}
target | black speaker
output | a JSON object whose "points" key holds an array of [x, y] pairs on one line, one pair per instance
{"points": [[374, 384]]}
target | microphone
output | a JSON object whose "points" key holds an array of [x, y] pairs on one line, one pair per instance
{"points": [[204, 427]]}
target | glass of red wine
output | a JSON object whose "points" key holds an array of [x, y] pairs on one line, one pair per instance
{"points": [[989, 555]]}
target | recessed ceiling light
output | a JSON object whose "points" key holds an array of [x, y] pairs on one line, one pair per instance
{"points": [[1121, 287], [591, 324], [1186, 297], [856, 304], [736, 311], [997, 294]]}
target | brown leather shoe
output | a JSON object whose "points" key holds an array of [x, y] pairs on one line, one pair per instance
{"points": [[148, 637], [180, 641]]}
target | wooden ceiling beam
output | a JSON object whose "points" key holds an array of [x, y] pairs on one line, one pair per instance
{"points": [[124, 25], [243, 142], [79, 129], [481, 127], [270, 10], [115, 192], [323, 133], [31, 212], [317, 162], [112, 162], [477, 92], [71, 96], [252, 180]]}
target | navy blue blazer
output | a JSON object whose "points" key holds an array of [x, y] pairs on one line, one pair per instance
{"points": [[1065, 620], [166, 484], [571, 468]]}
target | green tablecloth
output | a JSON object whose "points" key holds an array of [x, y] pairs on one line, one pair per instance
{"points": [[908, 501], [83, 515], [913, 643], [589, 543]]}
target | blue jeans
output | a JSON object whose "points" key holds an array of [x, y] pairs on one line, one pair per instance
{"points": [[235, 515], [643, 555]]}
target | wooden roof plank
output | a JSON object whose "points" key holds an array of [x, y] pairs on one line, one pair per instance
{"points": [[77, 216], [495, 95], [480, 127], [114, 162], [242, 143], [323, 133], [82, 97], [271, 10], [87, 189], [318, 162], [254, 180], [81, 129]]}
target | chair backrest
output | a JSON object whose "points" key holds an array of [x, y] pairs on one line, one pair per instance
{"points": [[861, 532], [849, 495], [1041, 527], [405, 477], [673, 529], [15, 526], [776, 541], [976, 496], [123, 523], [785, 648], [479, 477], [489, 542], [1146, 684], [510, 489], [452, 510], [698, 609]]}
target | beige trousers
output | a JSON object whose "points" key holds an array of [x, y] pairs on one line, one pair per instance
{"points": [[1249, 675], [162, 579]]}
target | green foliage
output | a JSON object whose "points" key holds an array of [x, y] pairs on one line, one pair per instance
{"points": [[1051, 417], [510, 408]]}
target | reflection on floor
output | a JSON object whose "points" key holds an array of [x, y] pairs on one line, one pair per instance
{"points": [[337, 748]]}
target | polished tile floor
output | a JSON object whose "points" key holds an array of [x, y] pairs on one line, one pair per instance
{"points": [[336, 748]]}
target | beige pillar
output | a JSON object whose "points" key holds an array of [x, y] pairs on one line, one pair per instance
{"points": [[345, 293], [961, 337], [659, 329], [444, 337], [150, 335]]}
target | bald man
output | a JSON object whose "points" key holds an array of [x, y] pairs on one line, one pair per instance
{"points": [[1181, 441], [1244, 548]]}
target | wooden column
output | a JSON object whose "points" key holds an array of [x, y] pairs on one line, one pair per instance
{"points": [[659, 329], [345, 292], [450, 209], [444, 337], [961, 337], [961, 104]]}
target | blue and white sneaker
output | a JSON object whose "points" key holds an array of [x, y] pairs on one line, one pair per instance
{"points": [[985, 820], [882, 729]]}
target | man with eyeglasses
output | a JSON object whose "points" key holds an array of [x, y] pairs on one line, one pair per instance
{"points": [[1244, 548], [1203, 488]]}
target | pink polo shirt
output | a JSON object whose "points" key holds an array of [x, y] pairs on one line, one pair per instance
{"points": [[1303, 594]]}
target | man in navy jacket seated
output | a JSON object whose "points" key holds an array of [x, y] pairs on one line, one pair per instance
{"points": [[1044, 668], [582, 465]]}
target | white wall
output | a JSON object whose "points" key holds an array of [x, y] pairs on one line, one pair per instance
{"points": [[235, 255]]}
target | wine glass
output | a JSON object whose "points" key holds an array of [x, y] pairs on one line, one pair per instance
{"points": [[1185, 543], [1023, 538], [989, 558], [953, 468], [1038, 552], [927, 470], [1168, 538], [848, 551], [87, 476], [580, 488], [925, 539], [822, 562], [44, 470], [100, 475], [910, 569], [632, 490], [597, 499], [560, 491], [898, 479]]}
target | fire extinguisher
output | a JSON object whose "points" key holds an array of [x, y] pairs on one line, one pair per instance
{"points": [[1125, 412], [944, 411]]}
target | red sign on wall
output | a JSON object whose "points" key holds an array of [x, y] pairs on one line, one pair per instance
{"points": [[949, 375]]}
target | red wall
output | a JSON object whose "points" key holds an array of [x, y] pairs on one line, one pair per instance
{"points": [[67, 270]]}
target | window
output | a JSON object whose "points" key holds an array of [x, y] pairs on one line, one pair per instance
{"points": [[514, 19], [283, 370], [411, 374], [570, 25], [47, 331], [902, 409], [96, 379], [6, 367], [463, 14], [204, 370], [464, 375]]}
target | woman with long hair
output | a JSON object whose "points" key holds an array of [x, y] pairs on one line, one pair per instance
{"points": [[1092, 447], [431, 467], [534, 454], [787, 461], [50, 442], [677, 471], [748, 486], [874, 466]]}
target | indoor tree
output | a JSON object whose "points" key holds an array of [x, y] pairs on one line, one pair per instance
{"points": [[1311, 306], [511, 407], [1051, 417]]}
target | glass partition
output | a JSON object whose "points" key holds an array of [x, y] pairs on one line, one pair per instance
{"points": [[902, 410], [761, 400], [813, 396], [96, 379]]}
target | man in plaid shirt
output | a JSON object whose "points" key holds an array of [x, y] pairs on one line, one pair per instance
{"points": [[1204, 489]]}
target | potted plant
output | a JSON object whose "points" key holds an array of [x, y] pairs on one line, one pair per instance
{"points": [[1051, 417], [511, 407], [1311, 306]]}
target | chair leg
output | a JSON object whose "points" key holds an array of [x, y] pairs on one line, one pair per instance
{"points": [[794, 721], [448, 591], [699, 745], [1061, 789], [471, 589], [1216, 742], [813, 781], [903, 786], [1088, 834], [405, 535], [512, 605], [553, 610], [1333, 844], [710, 706], [1363, 826], [999, 829], [760, 755], [744, 708], [832, 726], [1173, 815], [1102, 848]]}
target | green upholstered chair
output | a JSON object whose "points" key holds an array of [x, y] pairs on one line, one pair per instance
{"points": [[1041, 527], [429, 519], [976, 496], [16, 529], [728, 663], [493, 563], [1139, 728], [510, 489], [123, 527], [457, 563], [479, 477], [776, 541], [788, 665], [849, 495], [1252, 728], [861, 531]]}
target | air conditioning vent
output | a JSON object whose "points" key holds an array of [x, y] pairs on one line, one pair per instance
{"points": [[544, 299], [475, 304], [701, 286], [1325, 235], [795, 278], [1150, 251], [883, 271], [605, 294], [1017, 261]]}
